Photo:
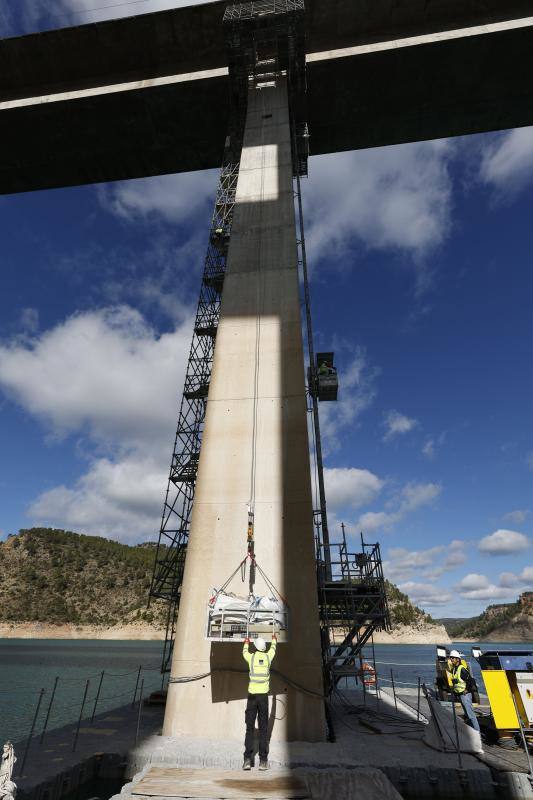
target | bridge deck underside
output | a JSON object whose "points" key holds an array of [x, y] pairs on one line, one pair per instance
{"points": [[373, 94]]}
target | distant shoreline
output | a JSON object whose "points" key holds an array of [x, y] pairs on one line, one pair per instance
{"points": [[431, 634], [401, 635], [40, 630]]}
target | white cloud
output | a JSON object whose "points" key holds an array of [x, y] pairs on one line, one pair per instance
{"points": [[503, 542], [431, 445], [527, 575], [392, 197], [473, 581], [108, 375], [350, 487], [411, 497], [415, 558], [403, 564], [478, 587], [105, 372], [456, 554], [356, 393], [518, 516], [121, 500], [523, 580], [175, 198], [425, 594], [397, 424], [507, 162], [429, 449]]}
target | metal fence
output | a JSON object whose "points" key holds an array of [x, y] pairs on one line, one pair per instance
{"points": [[29, 713]]}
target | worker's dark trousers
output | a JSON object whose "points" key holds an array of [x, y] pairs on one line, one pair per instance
{"points": [[257, 706]]}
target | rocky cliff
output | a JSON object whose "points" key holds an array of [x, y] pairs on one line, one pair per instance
{"points": [[505, 622], [410, 624]]}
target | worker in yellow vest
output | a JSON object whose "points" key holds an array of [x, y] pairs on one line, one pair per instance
{"points": [[462, 683], [257, 706]]}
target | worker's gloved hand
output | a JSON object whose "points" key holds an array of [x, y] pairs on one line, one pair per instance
{"points": [[274, 636], [247, 641]]}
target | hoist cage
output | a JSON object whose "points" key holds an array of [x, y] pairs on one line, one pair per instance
{"points": [[233, 618], [246, 621]]}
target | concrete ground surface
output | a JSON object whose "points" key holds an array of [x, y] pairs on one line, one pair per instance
{"points": [[378, 752], [371, 735], [278, 784]]}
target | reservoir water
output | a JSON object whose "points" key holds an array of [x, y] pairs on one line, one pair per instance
{"points": [[27, 666]]}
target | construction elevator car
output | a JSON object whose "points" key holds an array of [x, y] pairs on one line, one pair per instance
{"points": [[325, 381]]}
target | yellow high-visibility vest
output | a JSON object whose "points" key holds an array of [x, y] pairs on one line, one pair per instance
{"points": [[458, 680], [259, 664]]}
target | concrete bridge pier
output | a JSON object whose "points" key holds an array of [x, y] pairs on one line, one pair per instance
{"points": [[256, 425]]}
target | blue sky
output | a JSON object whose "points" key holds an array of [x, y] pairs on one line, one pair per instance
{"points": [[421, 283]]}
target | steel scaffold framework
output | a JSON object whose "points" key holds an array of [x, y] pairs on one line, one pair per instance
{"points": [[177, 507]]}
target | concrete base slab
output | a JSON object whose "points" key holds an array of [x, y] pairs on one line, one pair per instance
{"points": [[215, 784], [220, 783], [391, 748]]}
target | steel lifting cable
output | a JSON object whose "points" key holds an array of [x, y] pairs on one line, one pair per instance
{"points": [[226, 584], [257, 353], [269, 583]]}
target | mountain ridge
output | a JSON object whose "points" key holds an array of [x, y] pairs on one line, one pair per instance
{"points": [[79, 585], [500, 622]]}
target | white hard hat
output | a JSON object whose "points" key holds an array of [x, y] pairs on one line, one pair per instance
{"points": [[456, 654], [260, 644]]}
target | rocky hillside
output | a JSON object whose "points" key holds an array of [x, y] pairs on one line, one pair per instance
{"points": [[402, 611], [410, 624], [57, 577], [507, 622]]}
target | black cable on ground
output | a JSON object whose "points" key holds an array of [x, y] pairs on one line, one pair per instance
{"points": [[297, 686]]}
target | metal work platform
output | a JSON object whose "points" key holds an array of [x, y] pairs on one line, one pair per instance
{"points": [[353, 605]]}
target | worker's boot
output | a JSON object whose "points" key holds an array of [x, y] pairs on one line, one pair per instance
{"points": [[247, 764], [263, 764]]}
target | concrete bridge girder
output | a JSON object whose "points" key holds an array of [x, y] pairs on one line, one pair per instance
{"points": [[451, 69]]}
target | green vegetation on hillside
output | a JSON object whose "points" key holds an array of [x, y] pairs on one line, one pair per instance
{"points": [[55, 576], [402, 611], [480, 627]]}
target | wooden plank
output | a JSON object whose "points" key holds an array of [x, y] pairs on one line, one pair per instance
{"points": [[221, 784]]}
